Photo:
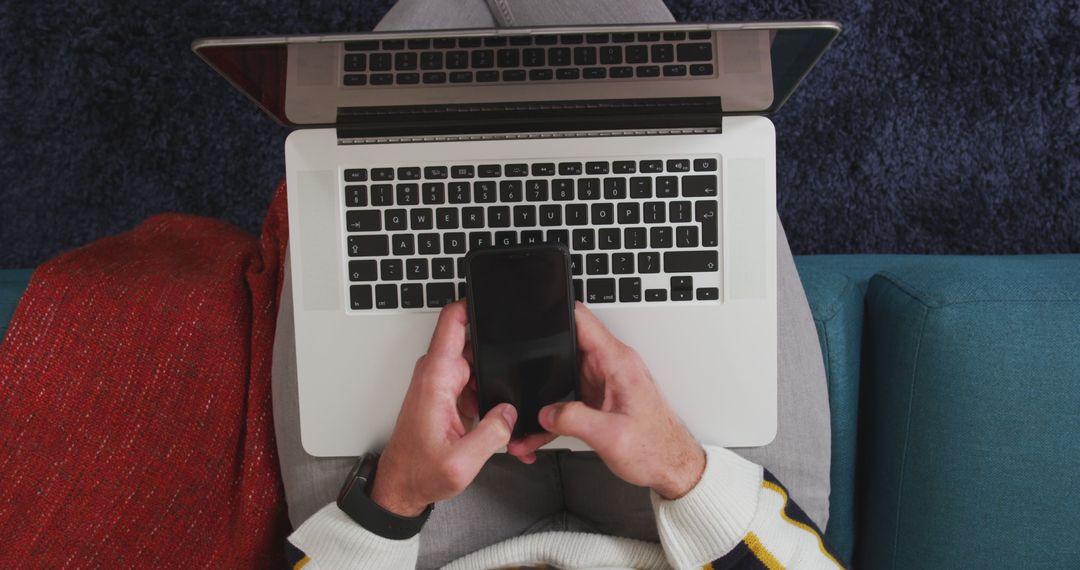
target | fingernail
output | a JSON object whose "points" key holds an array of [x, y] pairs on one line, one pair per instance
{"points": [[547, 416], [509, 414]]}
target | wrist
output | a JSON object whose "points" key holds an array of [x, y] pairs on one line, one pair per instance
{"points": [[677, 482], [389, 495]]}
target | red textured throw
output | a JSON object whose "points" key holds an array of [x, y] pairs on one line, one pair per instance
{"points": [[135, 414]]}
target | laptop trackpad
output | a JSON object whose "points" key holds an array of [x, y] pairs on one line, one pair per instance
{"points": [[746, 233]]}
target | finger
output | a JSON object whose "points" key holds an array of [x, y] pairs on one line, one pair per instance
{"points": [[576, 419], [525, 447], [488, 437], [450, 331], [592, 335], [467, 404]]}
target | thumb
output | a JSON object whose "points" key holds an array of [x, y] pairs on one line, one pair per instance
{"points": [[489, 435], [579, 420]]}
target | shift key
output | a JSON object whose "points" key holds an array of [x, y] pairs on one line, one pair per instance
{"points": [[691, 261]]}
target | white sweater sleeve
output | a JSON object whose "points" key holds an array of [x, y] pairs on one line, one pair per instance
{"points": [[330, 540], [737, 516]]}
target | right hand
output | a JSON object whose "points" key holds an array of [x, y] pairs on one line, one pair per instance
{"points": [[622, 416]]}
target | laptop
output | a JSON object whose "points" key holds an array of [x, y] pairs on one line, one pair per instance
{"points": [[645, 149]]}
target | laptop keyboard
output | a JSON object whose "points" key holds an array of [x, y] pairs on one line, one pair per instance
{"points": [[640, 231], [538, 58]]}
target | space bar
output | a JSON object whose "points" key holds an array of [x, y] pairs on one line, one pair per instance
{"points": [[690, 261]]}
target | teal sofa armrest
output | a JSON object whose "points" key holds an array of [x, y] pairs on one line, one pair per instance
{"points": [[970, 414], [13, 283]]}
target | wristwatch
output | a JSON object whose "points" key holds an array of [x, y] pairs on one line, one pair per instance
{"points": [[354, 500]]}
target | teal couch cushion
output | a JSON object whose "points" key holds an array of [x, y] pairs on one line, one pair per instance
{"points": [[970, 414], [12, 284]]}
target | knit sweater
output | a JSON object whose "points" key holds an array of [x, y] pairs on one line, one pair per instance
{"points": [[737, 516]]}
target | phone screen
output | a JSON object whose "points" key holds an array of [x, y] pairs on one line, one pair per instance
{"points": [[522, 319]]}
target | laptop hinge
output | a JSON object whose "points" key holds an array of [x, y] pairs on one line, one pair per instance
{"points": [[541, 119]]}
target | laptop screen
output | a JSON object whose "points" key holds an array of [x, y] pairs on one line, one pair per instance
{"points": [[323, 80]]}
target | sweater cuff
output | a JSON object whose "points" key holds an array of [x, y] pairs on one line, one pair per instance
{"points": [[714, 516], [333, 540]]}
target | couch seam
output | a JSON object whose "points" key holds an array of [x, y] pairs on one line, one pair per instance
{"points": [[939, 303]]}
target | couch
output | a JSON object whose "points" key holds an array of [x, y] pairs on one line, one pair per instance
{"points": [[954, 386]]}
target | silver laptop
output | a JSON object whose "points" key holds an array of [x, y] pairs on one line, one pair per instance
{"points": [[645, 149]]}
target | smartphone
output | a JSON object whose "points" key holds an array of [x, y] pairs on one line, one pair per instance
{"points": [[521, 316]]}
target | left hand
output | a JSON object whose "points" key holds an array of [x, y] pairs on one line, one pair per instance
{"points": [[431, 455]]}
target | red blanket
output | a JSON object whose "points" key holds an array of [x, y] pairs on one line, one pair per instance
{"points": [[135, 415]]}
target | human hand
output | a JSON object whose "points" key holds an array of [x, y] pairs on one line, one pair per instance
{"points": [[622, 416], [431, 455]]}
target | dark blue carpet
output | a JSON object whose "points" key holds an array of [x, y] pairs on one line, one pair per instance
{"points": [[928, 128]]}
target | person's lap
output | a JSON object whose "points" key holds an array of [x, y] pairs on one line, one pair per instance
{"points": [[564, 490]]}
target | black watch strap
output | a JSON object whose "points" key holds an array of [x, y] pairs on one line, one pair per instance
{"points": [[355, 501]]}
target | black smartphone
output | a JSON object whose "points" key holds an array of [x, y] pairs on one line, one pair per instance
{"points": [[521, 316]]}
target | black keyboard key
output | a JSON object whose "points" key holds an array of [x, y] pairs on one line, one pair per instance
{"points": [[356, 196], [440, 294], [356, 62], [584, 239], [479, 239], [443, 43], [363, 270], [393, 44], [654, 213], [382, 78], [508, 58], [686, 236], [517, 170], [679, 211], [559, 236], [356, 175], [667, 186], [472, 217], [596, 38], [705, 213], [360, 297], [419, 43], [695, 52], [368, 246], [367, 45], [648, 262], [540, 74], [391, 270], [381, 62], [691, 261], [648, 71], [408, 194], [637, 54], [635, 238], [603, 213], [577, 264], [442, 268], [622, 72], [521, 40], [682, 295], [536, 190], [431, 60], [525, 216], [543, 169], [704, 164], [701, 69], [585, 55], [353, 80], [428, 244], [546, 40], [678, 165], [622, 38], [363, 220], [660, 237], [405, 61], [461, 267], [630, 290], [505, 239], [533, 57], [596, 167], [462, 171], [674, 36], [433, 192], [708, 293], [651, 166], [489, 76], [446, 218], [469, 42], [579, 290], [614, 188], [490, 170], [457, 60], [412, 296], [459, 193], [462, 290], [403, 244], [494, 41], [436, 172], [610, 238], [408, 173], [454, 242], [682, 283], [700, 185], [611, 55], [498, 216], [434, 77], [596, 264], [416, 269], [700, 35], [532, 237], [570, 168], [594, 73], [396, 219], [559, 57], [641, 187], [562, 189], [386, 296], [674, 70], [461, 77], [655, 295], [588, 188], [629, 213], [600, 290], [622, 263], [577, 215], [510, 191], [382, 173], [662, 53], [483, 58], [648, 36], [571, 39], [624, 167]]}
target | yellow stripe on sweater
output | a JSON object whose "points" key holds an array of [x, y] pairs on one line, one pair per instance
{"points": [[301, 563], [761, 552], [783, 513]]}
